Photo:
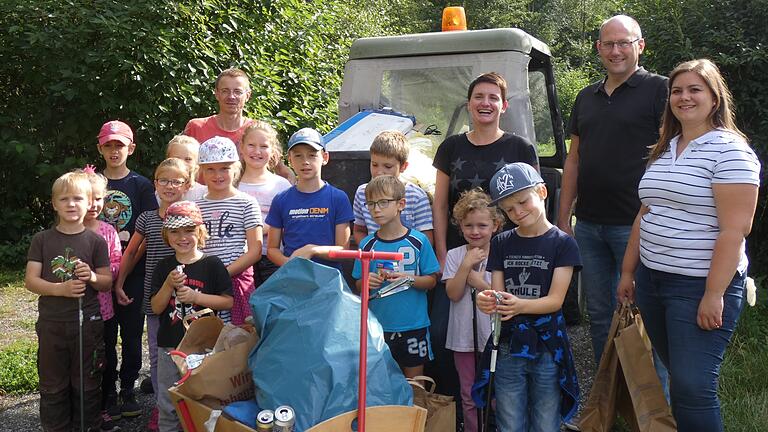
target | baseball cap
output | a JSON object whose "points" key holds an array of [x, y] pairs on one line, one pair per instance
{"points": [[115, 130], [182, 214], [216, 150], [307, 136], [513, 178]]}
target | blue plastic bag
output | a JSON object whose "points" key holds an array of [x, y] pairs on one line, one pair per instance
{"points": [[308, 355]]}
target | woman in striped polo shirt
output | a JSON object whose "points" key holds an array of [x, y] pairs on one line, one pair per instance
{"points": [[699, 195]]}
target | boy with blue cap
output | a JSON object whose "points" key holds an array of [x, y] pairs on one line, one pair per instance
{"points": [[312, 217], [531, 267]]}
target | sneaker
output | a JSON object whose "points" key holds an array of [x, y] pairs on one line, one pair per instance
{"points": [[107, 424], [128, 405], [152, 424], [572, 425], [113, 409], [146, 386]]}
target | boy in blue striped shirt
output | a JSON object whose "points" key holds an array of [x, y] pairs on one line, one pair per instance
{"points": [[389, 156]]}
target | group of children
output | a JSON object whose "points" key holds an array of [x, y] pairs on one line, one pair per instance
{"points": [[188, 246]]}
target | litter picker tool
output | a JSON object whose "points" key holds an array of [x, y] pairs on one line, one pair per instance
{"points": [[63, 267], [365, 258], [473, 295], [496, 330]]}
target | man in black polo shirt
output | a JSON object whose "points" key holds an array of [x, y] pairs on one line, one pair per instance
{"points": [[612, 124]]}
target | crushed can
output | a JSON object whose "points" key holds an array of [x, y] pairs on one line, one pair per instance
{"points": [[265, 421], [384, 268], [285, 419]]}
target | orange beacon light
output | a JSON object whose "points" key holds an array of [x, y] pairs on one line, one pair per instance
{"points": [[454, 18]]}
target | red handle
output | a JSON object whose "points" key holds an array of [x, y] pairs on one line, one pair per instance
{"points": [[189, 371], [369, 255], [365, 257], [186, 417]]}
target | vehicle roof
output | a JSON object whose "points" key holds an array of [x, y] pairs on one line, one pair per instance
{"points": [[453, 42]]}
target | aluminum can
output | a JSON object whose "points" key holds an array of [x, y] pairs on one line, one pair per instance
{"points": [[385, 268], [284, 419], [265, 421]]}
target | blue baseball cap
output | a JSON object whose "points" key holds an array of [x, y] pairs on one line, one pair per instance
{"points": [[307, 136], [513, 178]]}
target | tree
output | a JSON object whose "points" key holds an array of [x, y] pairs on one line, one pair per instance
{"points": [[68, 66], [731, 33]]}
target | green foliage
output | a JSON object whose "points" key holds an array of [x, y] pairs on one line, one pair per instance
{"points": [[744, 381], [569, 82], [19, 372], [69, 66], [731, 33], [13, 255]]}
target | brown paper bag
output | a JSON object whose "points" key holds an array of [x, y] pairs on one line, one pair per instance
{"points": [[441, 409], [651, 411], [599, 413], [222, 376], [626, 381]]}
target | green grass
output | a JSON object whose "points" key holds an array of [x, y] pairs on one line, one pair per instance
{"points": [[19, 372], [744, 374]]}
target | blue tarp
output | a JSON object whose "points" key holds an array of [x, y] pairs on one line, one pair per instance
{"points": [[308, 354]]}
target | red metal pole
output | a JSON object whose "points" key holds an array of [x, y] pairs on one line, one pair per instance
{"points": [[365, 258]]}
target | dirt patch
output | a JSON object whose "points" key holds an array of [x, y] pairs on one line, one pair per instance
{"points": [[18, 309]]}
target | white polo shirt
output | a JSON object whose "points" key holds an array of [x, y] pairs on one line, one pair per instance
{"points": [[678, 234]]}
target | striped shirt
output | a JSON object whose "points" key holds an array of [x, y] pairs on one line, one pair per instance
{"points": [[678, 233], [150, 225], [227, 220], [416, 215]]}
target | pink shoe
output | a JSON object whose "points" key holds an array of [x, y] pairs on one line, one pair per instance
{"points": [[152, 424]]}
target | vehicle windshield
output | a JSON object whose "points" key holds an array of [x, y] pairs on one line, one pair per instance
{"points": [[436, 95]]}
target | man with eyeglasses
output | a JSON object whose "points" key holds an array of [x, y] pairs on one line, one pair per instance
{"points": [[232, 90], [612, 124]]}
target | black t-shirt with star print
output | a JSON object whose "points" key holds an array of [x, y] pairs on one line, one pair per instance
{"points": [[470, 166], [207, 275]]}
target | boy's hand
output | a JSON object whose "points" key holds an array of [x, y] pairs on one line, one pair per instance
{"points": [[375, 281], [83, 272], [510, 306], [72, 288], [122, 298], [474, 257], [186, 294], [306, 251], [395, 275], [486, 301]]}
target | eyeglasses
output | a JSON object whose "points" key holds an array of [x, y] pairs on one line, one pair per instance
{"points": [[381, 203], [172, 182], [238, 93], [608, 45]]}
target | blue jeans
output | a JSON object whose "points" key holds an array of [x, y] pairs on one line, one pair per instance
{"points": [[527, 393], [669, 304], [602, 252]]}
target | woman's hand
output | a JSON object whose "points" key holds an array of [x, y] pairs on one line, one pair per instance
{"points": [[625, 291], [710, 316]]}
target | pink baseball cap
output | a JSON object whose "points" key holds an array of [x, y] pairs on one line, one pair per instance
{"points": [[115, 130]]}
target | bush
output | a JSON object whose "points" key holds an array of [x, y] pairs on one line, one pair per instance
{"points": [[70, 66], [19, 372], [731, 33]]}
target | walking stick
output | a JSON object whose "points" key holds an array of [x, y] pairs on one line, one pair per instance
{"points": [[496, 329], [365, 258]]}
